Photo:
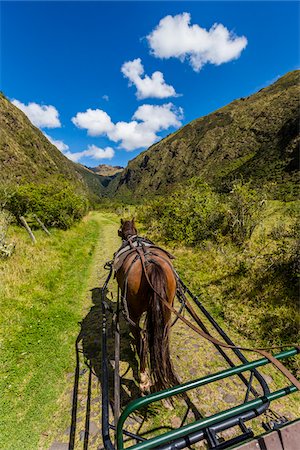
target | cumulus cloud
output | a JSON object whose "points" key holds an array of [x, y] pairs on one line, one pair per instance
{"points": [[42, 116], [93, 152], [158, 118], [154, 86], [132, 135], [58, 144], [175, 37], [141, 132], [95, 121]]}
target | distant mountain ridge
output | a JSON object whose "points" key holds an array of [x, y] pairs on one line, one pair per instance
{"points": [[106, 170], [255, 138]]}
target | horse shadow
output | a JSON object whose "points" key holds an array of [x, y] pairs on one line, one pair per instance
{"points": [[91, 332], [89, 344]]}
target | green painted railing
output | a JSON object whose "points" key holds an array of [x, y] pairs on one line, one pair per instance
{"points": [[209, 421]]}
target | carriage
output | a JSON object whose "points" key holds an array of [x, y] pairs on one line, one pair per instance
{"points": [[257, 396]]}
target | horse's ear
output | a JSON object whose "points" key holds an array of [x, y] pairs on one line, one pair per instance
{"points": [[133, 219], [122, 221]]}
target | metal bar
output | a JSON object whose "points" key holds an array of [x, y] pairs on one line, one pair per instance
{"points": [[226, 338], [104, 378], [197, 436], [142, 402], [117, 363], [88, 413], [249, 386], [209, 421], [129, 434], [193, 438], [229, 360]]}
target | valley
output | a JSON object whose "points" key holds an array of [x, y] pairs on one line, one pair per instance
{"points": [[221, 194]]}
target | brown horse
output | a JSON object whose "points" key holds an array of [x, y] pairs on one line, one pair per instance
{"points": [[145, 277]]}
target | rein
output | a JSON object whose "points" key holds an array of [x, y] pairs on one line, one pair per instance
{"points": [[262, 351]]}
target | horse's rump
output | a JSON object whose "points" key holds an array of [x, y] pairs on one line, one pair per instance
{"points": [[146, 281]]}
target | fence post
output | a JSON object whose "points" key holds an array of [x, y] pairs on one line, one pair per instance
{"points": [[41, 224], [28, 229]]}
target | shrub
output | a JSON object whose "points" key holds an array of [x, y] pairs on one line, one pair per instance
{"points": [[55, 204], [243, 212], [190, 214]]}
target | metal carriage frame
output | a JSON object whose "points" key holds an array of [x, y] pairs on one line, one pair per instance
{"points": [[206, 428]]}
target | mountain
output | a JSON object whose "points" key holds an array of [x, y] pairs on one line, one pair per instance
{"points": [[105, 170], [27, 155], [256, 138]]}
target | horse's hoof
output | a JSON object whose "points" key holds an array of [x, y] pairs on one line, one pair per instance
{"points": [[145, 383]]}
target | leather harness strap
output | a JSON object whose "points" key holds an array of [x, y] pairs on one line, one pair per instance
{"points": [[263, 351]]}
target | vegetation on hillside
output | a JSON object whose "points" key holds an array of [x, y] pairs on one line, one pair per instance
{"points": [[55, 203], [241, 254], [26, 155], [253, 138]]}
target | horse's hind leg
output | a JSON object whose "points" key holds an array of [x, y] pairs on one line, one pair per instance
{"points": [[145, 382], [141, 349]]}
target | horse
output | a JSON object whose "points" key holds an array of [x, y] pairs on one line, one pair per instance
{"points": [[147, 279]]}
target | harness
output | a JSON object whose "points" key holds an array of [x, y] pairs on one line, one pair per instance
{"points": [[144, 248], [135, 244]]}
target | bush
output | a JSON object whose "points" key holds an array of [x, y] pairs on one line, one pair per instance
{"points": [[56, 204], [243, 212], [189, 215]]}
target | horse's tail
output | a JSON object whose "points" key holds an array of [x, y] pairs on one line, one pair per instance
{"points": [[162, 372]]}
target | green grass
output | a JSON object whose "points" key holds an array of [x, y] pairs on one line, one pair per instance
{"points": [[42, 291]]}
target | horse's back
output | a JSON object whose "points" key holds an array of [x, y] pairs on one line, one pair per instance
{"points": [[132, 279]]}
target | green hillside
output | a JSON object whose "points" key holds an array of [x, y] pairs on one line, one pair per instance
{"points": [[255, 138], [26, 155]]}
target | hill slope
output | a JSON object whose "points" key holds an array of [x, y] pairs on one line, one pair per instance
{"points": [[27, 155], [255, 137]]}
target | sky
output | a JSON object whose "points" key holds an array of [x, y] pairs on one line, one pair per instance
{"points": [[105, 80]]}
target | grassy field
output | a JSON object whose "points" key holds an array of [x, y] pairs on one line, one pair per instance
{"points": [[43, 291]]}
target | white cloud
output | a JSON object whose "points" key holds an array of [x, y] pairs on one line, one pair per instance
{"points": [[175, 37], [93, 152], [132, 135], [42, 116], [141, 132], [159, 117], [154, 86], [58, 144], [105, 97], [95, 121]]}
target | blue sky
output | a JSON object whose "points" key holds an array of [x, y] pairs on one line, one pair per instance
{"points": [[65, 59]]}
